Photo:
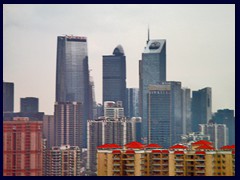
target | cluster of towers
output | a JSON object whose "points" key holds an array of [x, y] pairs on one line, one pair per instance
{"points": [[158, 112]]}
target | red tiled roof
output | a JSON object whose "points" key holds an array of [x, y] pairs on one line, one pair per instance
{"points": [[109, 146], [156, 151], [165, 151], [201, 142], [178, 146], [116, 152], [135, 145], [205, 147], [130, 152], [228, 147], [153, 146], [178, 152], [200, 152]]}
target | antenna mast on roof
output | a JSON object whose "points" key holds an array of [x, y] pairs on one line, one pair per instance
{"points": [[148, 34]]}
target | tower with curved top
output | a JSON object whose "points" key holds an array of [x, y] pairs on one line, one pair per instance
{"points": [[114, 76]]}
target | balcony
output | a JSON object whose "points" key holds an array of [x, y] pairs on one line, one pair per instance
{"points": [[116, 170]]}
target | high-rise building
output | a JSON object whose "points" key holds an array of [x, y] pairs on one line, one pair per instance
{"points": [[186, 110], [113, 110], [48, 130], [92, 100], [136, 159], [68, 123], [194, 136], [8, 97], [63, 161], [29, 105], [132, 102], [152, 70], [201, 107], [226, 116], [218, 133], [114, 76], [22, 147], [164, 113], [108, 131], [72, 80]]}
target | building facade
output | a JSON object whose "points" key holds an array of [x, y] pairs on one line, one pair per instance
{"points": [[218, 133], [72, 79], [186, 110], [109, 131], [22, 147], [113, 110], [114, 76], [136, 159], [63, 161], [68, 124], [132, 102], [152, 70], [29, 105], [48, 130], [164, 113], [201, 107], [226, 116], [8, 97]]}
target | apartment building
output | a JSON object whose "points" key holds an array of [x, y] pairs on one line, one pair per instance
{"points": [[136, 159]]}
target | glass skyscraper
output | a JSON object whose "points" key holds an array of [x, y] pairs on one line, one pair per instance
{"points": [[8, 97], [72, 79], [164, 113], [201, 107], [114, 76], [152, 70]]}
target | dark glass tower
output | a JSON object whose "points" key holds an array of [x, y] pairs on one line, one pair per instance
{"points": [[114, 76], [8, 97], [72, 79], [201, 107], [152, 70], [226, 116], [29, 105], [164, 113]]}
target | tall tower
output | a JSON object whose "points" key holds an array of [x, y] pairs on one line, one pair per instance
{"points": [[8, 97], [152, 70], [68, 123], [72, 79], [114, 76], [164, 113], [186, 110], [132, 102], [201, 107]]}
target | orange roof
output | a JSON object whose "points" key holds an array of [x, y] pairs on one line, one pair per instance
{"points": [[130, 152], [156, 151], [178, 152], [205, 146], [201, 142], [178, 146], [109, 146], [135, 145], [228, 147], [200, 152], [153, 146]]}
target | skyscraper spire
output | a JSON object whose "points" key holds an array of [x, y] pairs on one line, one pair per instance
{"points": [[148, 34]]}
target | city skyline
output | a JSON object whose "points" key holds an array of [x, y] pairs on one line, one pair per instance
{"points": [[200, 45]]}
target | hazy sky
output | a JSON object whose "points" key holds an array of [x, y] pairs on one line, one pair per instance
{"points": [[200, 45]]}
